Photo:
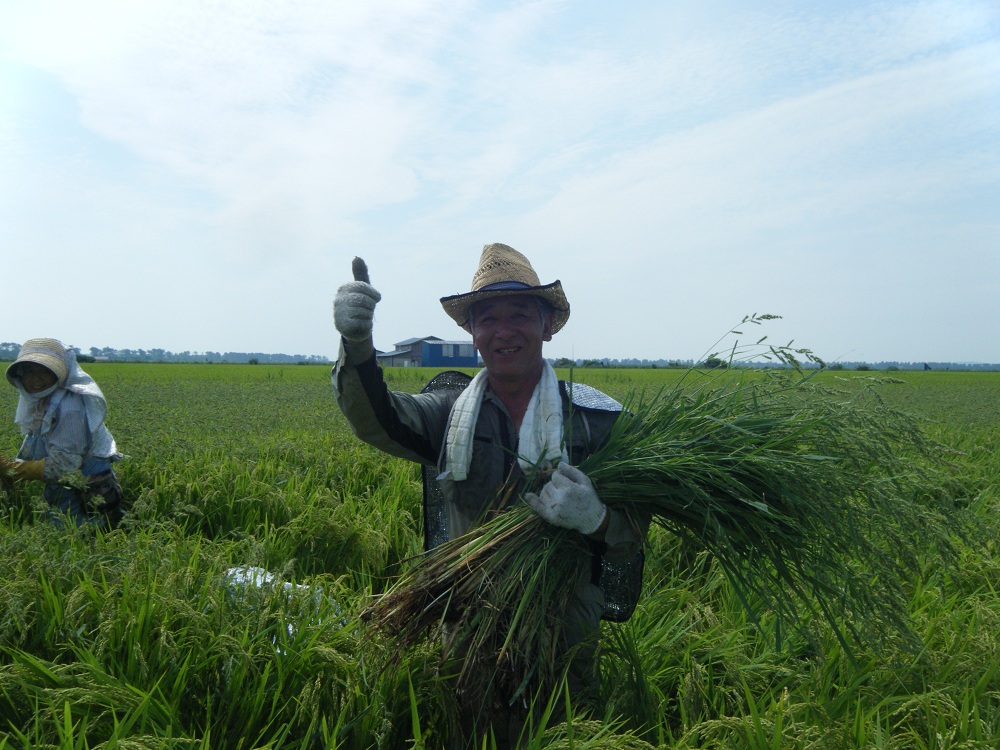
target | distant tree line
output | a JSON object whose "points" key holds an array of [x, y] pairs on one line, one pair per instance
{"points": [[638, 363], [9, 350], [712, 363]]}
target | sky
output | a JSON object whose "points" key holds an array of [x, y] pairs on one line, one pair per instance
{"points": [[197, 175]]}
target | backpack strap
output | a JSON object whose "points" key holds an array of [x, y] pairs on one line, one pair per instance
{"points": [[435, 511]]}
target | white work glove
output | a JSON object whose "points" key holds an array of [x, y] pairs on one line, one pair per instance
{"points": [[569, 500], [354, 305]]}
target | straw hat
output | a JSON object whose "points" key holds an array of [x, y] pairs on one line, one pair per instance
{"points": [[504, 272], [45, 352]]}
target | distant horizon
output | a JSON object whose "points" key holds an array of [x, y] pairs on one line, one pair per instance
{"points": [[8, 352]]}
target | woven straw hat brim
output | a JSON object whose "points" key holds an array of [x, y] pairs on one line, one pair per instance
{"points": [[458, 305], [39, 354]]}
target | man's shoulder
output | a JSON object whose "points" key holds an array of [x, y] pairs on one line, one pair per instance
{"points": [[584, 396]]}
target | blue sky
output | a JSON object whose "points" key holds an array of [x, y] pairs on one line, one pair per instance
{"points": [[198, 175]]}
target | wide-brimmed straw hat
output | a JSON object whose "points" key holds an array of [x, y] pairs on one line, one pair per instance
{"points": [[48, 353], [504, 272]]}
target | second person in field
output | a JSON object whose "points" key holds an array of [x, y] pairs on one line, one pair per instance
{"points": [[66, 445]]}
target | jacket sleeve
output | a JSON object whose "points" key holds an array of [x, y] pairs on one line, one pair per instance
{"points": [[618, 558], [625, 534], [406, 425]]}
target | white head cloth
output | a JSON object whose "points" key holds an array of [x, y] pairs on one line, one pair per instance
{"points": [[540, 439], [34, 414]]}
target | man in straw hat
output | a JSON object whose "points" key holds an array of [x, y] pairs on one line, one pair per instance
{"points": [[66, 445], [514, 420]]}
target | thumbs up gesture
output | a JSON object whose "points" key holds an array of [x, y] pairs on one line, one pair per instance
{"points": [[354, 305]]}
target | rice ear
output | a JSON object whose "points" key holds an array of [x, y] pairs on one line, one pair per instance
{"points": [[801, 493]]}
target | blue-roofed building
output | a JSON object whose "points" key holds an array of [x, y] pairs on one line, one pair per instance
{"points": [[430, 351]]}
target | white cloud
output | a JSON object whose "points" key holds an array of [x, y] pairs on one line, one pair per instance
{"points": [[660, 160]]}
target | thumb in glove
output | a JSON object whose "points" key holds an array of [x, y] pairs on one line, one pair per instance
{"points": [[569, 500], [354, 310]]}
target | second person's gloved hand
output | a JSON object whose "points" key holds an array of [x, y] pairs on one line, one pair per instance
{"points": [[354, 305], [569, 500], [21, 471]]}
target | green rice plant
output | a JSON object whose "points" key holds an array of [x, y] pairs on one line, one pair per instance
{"points": [[153, 640], [235, 465], [802, 497], [681, 658]]}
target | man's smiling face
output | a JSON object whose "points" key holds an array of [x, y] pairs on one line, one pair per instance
{"points": [[509, 332]]}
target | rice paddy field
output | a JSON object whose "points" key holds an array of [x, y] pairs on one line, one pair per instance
{"points": [[224, 611]]}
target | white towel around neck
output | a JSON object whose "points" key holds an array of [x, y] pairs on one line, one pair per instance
{"points": [[540, 439]]}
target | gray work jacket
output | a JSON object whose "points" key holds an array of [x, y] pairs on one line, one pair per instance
{"points": [[414, 427]]}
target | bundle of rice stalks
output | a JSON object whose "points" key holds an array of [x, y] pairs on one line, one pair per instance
{"points": [[805, 497]]}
